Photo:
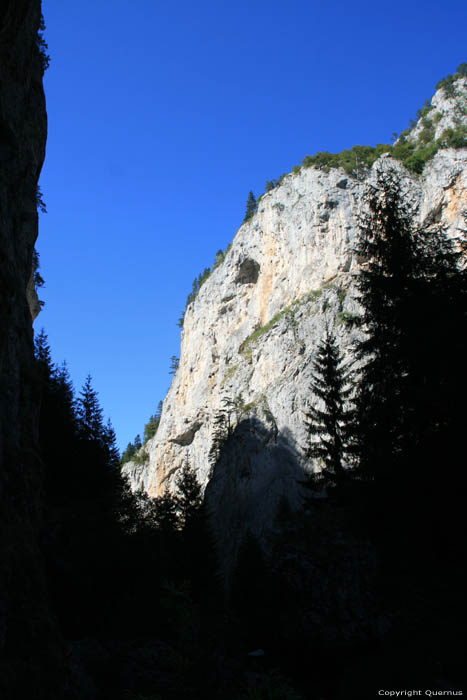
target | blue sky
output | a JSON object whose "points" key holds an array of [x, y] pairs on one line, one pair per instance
{"points": [[162, 117]]}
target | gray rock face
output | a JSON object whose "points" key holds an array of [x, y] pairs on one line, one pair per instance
{"points": [[28, 638], [250, 336]]}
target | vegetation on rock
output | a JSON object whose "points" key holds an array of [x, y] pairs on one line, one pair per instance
{"points": [[42, 46], [414, 155], [201, 279], [150, 430]]}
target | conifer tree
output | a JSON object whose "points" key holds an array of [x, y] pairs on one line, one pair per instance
{"points": [[150, 429], [137, 443], [189, 497], [43, 355], [221, 431], [65, 394], [386, 288], [414, 296], [251, 206], [174, 364], [332, 425], [90, 413], [110, 443]]}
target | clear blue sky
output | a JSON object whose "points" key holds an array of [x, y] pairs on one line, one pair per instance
{"points": [[162, 116]]}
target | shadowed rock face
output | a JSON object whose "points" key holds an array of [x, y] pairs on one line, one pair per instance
{"points": [[29, 652]]}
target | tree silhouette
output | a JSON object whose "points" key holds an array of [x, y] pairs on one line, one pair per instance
{"points": [[332, 425], [189, 497], [90, 413], [413, 295], [386, 286], [43, 355], [110, 443], [410, 398]]}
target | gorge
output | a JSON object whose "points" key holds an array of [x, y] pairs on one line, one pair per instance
{"points": [[209, 565], [250, 335]]}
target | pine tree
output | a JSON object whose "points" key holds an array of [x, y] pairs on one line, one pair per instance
{"points": [[251, 206], [386, 286], [174, 364], [333, 424], [110, 443], [150, 429], [57, 423], [65, 392], [43, 355], [137, 444], [221, 431], [413, 291], [90, 413], [189, 495]]}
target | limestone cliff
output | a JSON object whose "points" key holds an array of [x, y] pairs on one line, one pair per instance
{"points": [[29, 651], [250, 336]]}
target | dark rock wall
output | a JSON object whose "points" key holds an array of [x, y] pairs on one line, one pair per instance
{"points": [[29, 646]]}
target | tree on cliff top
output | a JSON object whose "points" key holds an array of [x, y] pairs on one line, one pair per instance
{"points": [[251, 207]]}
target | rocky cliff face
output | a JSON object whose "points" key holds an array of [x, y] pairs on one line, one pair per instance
{"points": [[446, 111], [250, 336], [28, 640]]}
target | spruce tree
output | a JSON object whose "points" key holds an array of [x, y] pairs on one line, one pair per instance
{"points": [[150, 429], [251, 206], [174, 364], [189, 495], [90, 413], [43, 355], [410, 401], [137, 443], [110, 443], [331, 424], [386, 287]]}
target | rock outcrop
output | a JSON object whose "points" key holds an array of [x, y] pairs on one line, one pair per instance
{"points": [[446, 111], [29, 647], [250, 336]]}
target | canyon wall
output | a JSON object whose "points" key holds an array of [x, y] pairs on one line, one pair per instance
{"points": [[29, 644], [250, 336]]}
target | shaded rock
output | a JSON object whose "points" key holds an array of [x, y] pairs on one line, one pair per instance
{"points": [[186, 438], [248, 271], [30, 647]]}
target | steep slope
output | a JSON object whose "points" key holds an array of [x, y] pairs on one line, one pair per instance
{"points": [[29, 652], [250, 336]]}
